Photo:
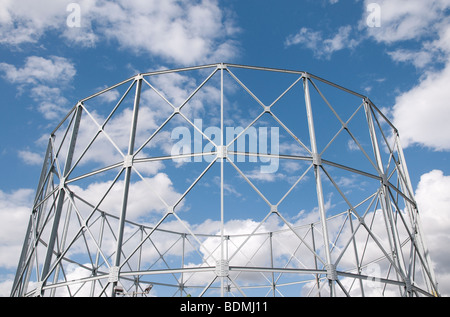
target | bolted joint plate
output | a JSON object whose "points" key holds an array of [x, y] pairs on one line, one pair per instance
{"points": [[222, 152], [384, 180], [408, 284], [128, 161], [62, 183], [317, 159], [113, 274], [222, 268], [331, 272]]}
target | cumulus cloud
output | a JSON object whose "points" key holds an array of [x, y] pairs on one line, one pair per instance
{"points": [[433, 199], [178, 31], [424, 22], [30, 158], [418, 59], [26, 21], [14, 211], [181, 31], [144, 196], [45, 79], [15, 208], [422, 113], [40, 70], [323, 47], [403, 20]]}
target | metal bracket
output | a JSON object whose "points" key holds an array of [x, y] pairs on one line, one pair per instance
{"points": [[222, 268], [317, 159], [38, 291], [113, 274], [331, 272], [274, 209], [222, 152], [128, 161], [384, 180], [62, 183], [408, 284]]}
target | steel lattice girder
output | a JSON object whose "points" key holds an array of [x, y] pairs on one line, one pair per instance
{"points": [[348, 182]]}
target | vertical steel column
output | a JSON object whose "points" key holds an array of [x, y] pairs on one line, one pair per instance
{"points": [[355, 249], [28, 236], [128, 165], [63, 239], [22, 262], [182, 264], [331, 269], [271, 263], [61, 198], [37, 226], [315, 259], [422, 246], [97, 256], [222, 152], [392, 231]]}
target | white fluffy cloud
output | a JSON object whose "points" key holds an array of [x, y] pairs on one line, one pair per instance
{"points": [[181, 31], [15, 208], [407, 19], [45, 79], [422, 113], [31, 158], [178, 31], [143, 196], [422, 22], [39, 70], [433, 198], [26, 21], [323, 47]]}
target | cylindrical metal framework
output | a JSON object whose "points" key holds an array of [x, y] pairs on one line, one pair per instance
{"points": [[225, 180]]}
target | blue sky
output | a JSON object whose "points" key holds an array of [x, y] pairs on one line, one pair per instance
{"points": [[46, 67]]}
